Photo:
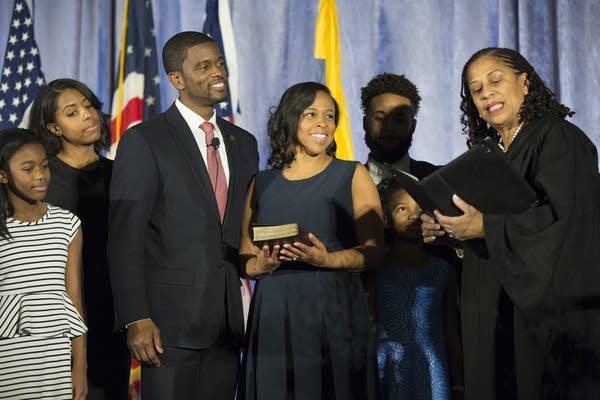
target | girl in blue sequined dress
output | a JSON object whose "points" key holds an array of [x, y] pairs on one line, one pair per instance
{"points": [[416, 309]]}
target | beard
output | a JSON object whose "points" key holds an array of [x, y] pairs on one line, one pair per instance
{"points": [[388, 155]]}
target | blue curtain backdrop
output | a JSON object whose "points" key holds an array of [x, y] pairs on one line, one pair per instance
{"points": [[428, 40]]}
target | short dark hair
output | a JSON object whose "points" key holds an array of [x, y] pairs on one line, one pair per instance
{"points": [[283, 122], [44, 108], [390, 83], [175, 50], [539, 100], [11, 141]]}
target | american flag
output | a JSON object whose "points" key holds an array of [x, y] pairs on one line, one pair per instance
{"points": [[137, 95], [218, 26], [22, 75]]}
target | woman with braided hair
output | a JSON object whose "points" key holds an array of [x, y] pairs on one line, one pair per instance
{"points": [[530, 307]]}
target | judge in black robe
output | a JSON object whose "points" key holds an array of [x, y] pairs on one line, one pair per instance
{"points": [[530, 306]]}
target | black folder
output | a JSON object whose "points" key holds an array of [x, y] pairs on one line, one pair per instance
{"points": [[482, 176]]}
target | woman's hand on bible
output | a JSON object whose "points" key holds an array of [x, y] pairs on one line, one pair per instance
{"points": [[267, 259], [316, 254]]}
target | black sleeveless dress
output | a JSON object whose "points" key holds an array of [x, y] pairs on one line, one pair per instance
{"points": [[308, 333]]}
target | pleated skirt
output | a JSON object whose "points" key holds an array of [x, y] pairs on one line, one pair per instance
{"points": [[309, 338]]}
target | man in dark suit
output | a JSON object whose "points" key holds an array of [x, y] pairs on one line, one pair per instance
{"points": [[390, 103], [172, 252]]}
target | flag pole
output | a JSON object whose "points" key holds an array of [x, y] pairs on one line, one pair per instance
{"points": [[121, 72]]}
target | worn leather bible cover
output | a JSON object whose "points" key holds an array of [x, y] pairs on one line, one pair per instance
{"points": [[272, 234]]}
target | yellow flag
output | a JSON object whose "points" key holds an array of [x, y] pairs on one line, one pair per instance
{"points": [[327, 47]]}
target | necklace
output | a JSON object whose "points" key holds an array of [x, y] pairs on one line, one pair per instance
{"points": [[514, 135]]}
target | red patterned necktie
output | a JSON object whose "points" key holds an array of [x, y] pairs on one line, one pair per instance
{"points": [[215, 168]]}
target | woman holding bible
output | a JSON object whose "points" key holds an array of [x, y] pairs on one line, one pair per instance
{"points": [[308, 334], [530, 306]]}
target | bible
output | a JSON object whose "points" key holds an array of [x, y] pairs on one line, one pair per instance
{"points": [[273, 234]]}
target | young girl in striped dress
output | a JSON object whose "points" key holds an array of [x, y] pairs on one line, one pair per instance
{"points": [[42, 341]]}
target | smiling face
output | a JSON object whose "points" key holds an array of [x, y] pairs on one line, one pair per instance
{"points": [[27, 175], [202, 81], [77, 122], [316, 125], [389, 124], [497, 91], [403, 215]]}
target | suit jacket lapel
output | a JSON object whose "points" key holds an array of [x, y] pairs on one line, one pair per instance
{"points": [[189, 148]]}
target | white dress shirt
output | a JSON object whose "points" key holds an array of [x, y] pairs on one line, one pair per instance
{"points": [[194, 121], [379, 172]]}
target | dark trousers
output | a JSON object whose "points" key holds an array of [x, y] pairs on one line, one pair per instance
{"points": [[193, 374], [108, 365]]}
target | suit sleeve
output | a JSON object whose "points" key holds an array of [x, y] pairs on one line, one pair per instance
{"points": [[132, 193]]}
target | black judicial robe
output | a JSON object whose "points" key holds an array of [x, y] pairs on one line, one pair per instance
{"points": [[531, 309]]}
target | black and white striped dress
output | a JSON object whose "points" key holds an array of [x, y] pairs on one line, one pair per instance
{"points": [[37, 318]]}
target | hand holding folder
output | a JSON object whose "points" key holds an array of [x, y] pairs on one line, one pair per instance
{"points": [[482, 177]]}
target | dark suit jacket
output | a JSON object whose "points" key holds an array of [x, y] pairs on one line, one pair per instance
{"points": [[420, 169], [170, 257]]}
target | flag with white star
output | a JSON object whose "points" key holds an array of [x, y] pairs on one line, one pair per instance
{"points": [[218, 26], [22, 75], [137, 95]]}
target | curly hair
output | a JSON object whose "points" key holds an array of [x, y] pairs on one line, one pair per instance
{"points": [[44, 108], [11, 141], [390, 83], [283, 122], [539, 100]]}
